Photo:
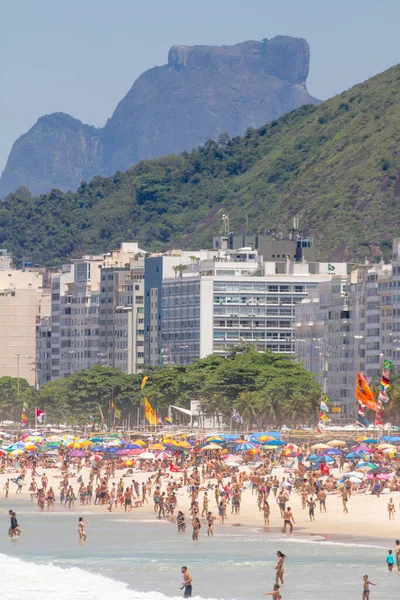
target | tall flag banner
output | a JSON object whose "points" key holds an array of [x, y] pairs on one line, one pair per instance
{"points": [[323, 407], [39, 414], [364, 394], [144, 381], [237, 417], [117, 414], [361, 416], [168, 420], [112, 403], [24, 419], [385, 382], [331, 267], [150, 415]]}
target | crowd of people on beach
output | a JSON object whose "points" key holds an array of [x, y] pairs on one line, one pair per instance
{"points": [[213, 486]]}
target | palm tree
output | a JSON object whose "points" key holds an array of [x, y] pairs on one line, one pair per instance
{"points": [[248, 405]]}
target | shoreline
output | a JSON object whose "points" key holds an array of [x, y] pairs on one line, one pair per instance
{"points": [[301, 534], [367, 513]]}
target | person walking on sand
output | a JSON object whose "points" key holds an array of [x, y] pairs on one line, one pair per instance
{"points": [[391, 509], [275, 594], [6, 488], [311, 508], [390, 561], [279, 570], [187, 583], [288, 520], [345, 499], [366, 584]]}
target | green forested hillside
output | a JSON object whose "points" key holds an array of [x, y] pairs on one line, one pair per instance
{"points": [[336, 166]]}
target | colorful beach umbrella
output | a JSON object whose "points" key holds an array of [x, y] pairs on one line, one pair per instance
{"points": [[244, 447]]}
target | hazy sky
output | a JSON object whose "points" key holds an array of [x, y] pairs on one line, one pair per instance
{"points": [[82, 56]]}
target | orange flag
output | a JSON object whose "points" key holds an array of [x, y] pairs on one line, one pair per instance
{"points": [[364, 394]]}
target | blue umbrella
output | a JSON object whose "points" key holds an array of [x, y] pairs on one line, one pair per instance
{"points": [[333, 452], [369, 441], [96, 439], [274, 443], [354, 455], [366, 464], [312, 457], [112, 450], [246, 446], [97, 449], [132, 447]]}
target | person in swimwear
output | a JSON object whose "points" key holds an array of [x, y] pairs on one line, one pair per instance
{"points": [[187, 583], [81, 530], [367, 583], [275, 594], [279, 567], [288, 520]]}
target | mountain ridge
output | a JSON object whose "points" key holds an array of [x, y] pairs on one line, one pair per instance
{"points": [[200, 93], [335, 166]]}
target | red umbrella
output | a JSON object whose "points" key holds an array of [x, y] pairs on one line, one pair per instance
{"points": [[135, 452]]}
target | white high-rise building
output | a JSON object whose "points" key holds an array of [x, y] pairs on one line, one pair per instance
{"points": [[235, 298]]}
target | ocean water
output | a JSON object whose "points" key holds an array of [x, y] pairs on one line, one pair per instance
{"points": [[136, 558]]}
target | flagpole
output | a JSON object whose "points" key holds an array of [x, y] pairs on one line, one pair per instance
{"points": [[35, 417]]}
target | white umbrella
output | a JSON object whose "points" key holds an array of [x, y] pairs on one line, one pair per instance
{"points": [[355, 480], [146, 456]]}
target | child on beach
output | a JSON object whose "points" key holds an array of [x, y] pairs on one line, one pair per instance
{"points": [[390, 561], [367, 583], [275, 594]]}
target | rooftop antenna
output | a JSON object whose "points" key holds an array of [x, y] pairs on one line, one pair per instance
{"points": [[246, 227], [225, 220]]}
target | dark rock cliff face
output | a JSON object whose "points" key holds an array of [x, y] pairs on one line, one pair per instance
{"points": [[57, 152], [202, 92]]}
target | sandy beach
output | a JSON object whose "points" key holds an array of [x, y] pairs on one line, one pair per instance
{"points": [[367, 517]]}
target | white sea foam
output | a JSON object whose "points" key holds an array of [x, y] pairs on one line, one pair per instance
{"points": [[323, 542], [22, 579]]}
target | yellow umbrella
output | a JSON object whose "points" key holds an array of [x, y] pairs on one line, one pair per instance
{"points": [[185, 445], [76, 446], [171, 442], [139, 442], [85, 443], [212, 447], [266, 438], [214, 438], [30, 447], [156, 447], [320, 447], [128, 463], [386, 446]]}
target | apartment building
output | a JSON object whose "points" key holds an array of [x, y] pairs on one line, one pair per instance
{"points": [[24, 300], [236, 298]]}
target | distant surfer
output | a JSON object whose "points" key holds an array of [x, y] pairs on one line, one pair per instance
{"points": [[187, 583]]}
